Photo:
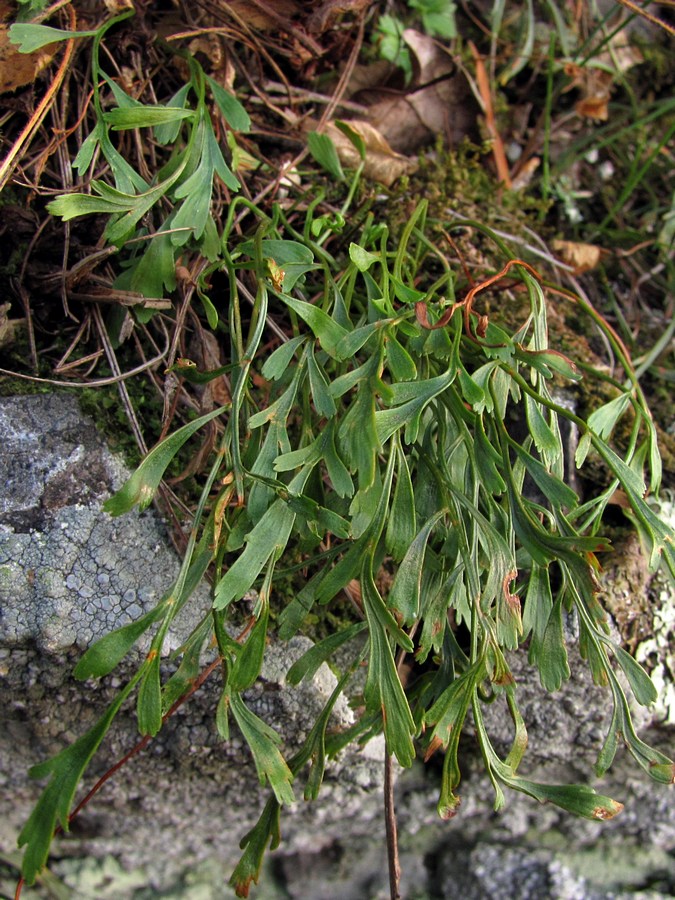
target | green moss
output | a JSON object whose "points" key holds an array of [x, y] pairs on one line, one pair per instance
{"points": [[459, 181]]}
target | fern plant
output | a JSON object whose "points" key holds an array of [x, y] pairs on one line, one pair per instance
{"points": [[386, 439], [387, 443]]}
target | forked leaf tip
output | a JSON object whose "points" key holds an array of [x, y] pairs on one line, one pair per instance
{"points": [[608, 811], [448, 811]]}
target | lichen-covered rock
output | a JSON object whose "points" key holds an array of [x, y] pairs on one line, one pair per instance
{"points": [[51, 457], [69, 573]]}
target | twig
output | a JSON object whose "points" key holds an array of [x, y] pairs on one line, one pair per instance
{"points": [[641, 11], [121, 385], [490, 122], [514, 238], [391, 829], [10, 162], [271, 324], [98, 382], [25, 302], [342, 84], [303, 95], [47, 13]]}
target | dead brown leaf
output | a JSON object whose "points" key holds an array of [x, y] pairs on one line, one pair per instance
{"points": [[370, 76], [525, 174], [438, 102], [207, 353], [330, 10], [583, 257], [596, 82], [263, 16], [18, 69], [382, 163], [593, 108], [211, 46], [8, 327]]}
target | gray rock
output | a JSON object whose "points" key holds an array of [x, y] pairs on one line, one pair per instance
{"points": [[168, 824], [51, 458], [69, 574]]}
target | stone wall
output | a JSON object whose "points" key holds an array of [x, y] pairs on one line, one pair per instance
{"points": [[169, 823]]}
